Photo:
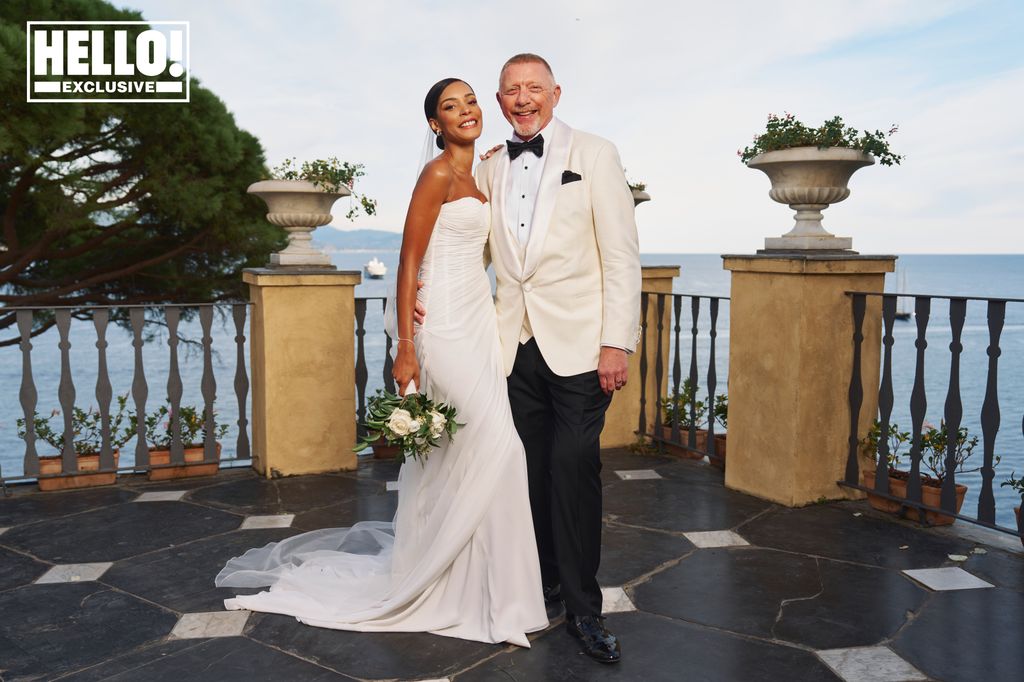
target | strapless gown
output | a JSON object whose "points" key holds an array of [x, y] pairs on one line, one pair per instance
{"points": [[460, 557]]}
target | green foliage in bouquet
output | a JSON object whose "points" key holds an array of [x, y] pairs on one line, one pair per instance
{"points": [[414, 424]]}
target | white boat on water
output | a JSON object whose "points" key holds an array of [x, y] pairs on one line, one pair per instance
{"points": [[375, 269]]}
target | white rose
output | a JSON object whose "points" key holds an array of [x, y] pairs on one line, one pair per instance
{"points": [[437, 420], [415, 425], [401, 422]]}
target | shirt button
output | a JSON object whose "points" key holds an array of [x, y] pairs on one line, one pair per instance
{"points": [[522, 224], [527, 287], [524, 196]]}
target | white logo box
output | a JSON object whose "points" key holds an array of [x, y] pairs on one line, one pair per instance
{"points": [[73, 51]]}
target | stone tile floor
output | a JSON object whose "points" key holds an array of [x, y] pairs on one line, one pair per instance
{"points": [[701, 583]]}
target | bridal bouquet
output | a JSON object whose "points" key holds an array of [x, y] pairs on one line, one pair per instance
{"points": [[413, 423]]}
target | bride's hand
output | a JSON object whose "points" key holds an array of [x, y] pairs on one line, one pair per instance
{"points": [[406, 367], [490, 152]]}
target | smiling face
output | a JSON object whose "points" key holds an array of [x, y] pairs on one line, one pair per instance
{"points": [[458, 115], [528, 94]]}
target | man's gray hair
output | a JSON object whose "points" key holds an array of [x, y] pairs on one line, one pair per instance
{"points": [[526, 58]]}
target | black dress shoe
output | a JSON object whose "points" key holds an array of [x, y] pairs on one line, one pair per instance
{"points": [[598, 643]]}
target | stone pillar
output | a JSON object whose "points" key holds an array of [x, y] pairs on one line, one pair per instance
{"points": [[303, 370], [623, 417], [790, 357]]}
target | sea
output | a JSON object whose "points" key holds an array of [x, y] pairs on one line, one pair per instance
{"points": [[1000, 276]]}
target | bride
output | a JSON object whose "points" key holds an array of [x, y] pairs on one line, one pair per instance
{"points": [[460, 558]]}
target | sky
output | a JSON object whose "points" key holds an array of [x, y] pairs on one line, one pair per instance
{"points": [[678, 86]]}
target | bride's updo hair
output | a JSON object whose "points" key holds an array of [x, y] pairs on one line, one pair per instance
{"points": [[432, 99]]}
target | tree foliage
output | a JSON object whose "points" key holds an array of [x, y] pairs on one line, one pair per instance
{"points": [[120, 203]]}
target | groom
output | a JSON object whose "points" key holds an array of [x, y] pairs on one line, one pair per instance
{"points": [[564, 247]]}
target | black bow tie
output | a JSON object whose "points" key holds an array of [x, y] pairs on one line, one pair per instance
{"points": [[536, 145]]}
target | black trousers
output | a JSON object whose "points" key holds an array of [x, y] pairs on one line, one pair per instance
{"points": [[559, 420]]}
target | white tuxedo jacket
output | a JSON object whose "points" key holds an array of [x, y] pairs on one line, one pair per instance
{"points": [[580, 278]]}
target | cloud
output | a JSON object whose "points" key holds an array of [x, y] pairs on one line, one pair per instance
{"points": [[677, 86]]}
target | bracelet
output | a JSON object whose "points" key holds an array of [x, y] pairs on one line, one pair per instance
{"points": [[406, 340]]}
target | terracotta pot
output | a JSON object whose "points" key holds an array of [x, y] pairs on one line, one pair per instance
{"points": [[194, 464], [932, 496], [897, 487], [381, 450], [719, 462], [684, 436], [52, 464]]}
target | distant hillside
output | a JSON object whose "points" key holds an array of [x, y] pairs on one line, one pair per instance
{"points": [[332, 239]]}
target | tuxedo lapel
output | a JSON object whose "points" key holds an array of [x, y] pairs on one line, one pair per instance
{"points": [[557, 153], [509, 250]]}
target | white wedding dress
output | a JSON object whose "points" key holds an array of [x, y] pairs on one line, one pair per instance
{"points": [[460, 558]]}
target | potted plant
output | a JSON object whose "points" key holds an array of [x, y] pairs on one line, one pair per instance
{"points": [[639, 190], [1017, 484], [809, 169], [676, 409], [87, 440], [897, 479], [191, 423], [299, 199], [721, 417], [933, 445]]}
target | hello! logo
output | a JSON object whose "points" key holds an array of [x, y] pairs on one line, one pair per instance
{"points": [[107, 61]]}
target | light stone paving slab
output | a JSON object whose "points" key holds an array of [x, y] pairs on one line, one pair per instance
{"points": [[715, 538], [210, 624], [638, 474], [268, 521], [161, 496], [391, 486], [948, 578], [615, 600], [73, 573], [870, 664]]}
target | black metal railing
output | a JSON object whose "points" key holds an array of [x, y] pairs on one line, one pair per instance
{"points": [[142, 322], [683, 408], [378, 345], [977, 345]]}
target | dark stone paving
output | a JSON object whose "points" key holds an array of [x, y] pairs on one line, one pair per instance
{"points": [[825, 576], [967, 635], [656, 649], [181, 578], [118, 531], [50, 629]]}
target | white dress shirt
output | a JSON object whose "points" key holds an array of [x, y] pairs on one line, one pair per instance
{"points": [[521, 187]]}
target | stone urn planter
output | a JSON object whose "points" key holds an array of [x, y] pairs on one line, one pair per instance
{"points": [[809, 180], [53, 464], [299, 207], [639, 197], [160, 460]]}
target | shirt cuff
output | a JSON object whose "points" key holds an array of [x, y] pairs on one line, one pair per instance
{"points": [[608, 345]]}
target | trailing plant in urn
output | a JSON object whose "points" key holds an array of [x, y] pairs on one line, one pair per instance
{"points": [[786, 132]]}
